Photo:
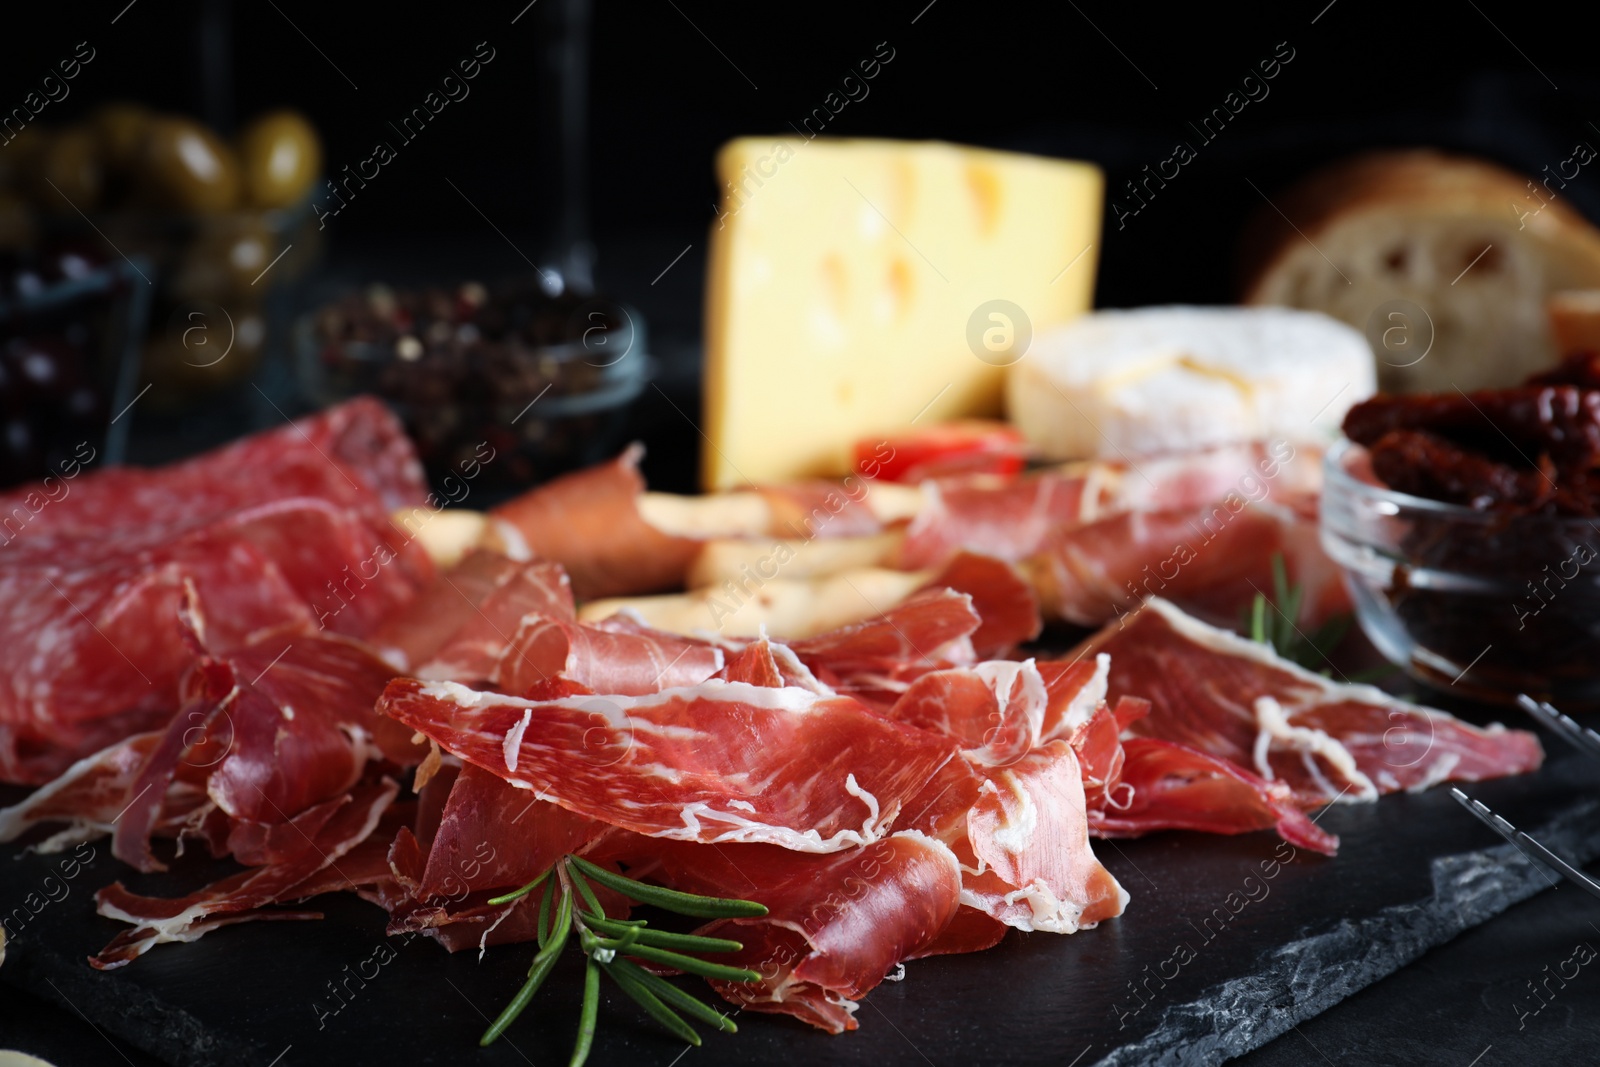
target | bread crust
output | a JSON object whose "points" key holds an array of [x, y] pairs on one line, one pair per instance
{"points": [[1423, 181]]}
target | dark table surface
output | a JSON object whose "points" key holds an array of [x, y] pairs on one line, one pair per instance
{"points": [[1456, 1005]]}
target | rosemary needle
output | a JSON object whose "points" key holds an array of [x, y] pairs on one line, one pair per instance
{"points": [[588, 895], [518, 894], [664, 939], [670, 899], [671, 994], [652, 1004], [623, 937], [587, 1017]]}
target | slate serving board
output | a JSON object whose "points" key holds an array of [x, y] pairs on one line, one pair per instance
{"points": [[1413, 872]]}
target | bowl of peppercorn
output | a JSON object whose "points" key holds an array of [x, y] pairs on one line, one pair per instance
{"points": [[508, 381], [1468, 529]]}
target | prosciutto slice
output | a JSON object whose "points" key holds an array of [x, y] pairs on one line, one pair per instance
{"points": [[299, 849], [271, 730], [1012, 519], [619, 654], [589, 522], [287, 529], [1168, 786], [485, 589], [1029, 832], [837, 924], [1217, 692], [1212, 559], [718, 762]]}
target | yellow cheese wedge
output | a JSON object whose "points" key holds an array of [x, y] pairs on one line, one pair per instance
{"points": [[857, 285]]}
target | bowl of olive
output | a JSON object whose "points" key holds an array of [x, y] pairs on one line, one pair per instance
{"points": [[223, 223]]}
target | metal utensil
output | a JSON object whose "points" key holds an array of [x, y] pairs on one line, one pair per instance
{"points": [[1520, 839], [1580, 737]]}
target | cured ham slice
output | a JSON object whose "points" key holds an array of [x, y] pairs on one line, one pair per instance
{"points": [[300, 849], [355, 455], [771, 665], [1035, 868], [1217, 692], [719, 762], [475, 651], [1007, 519], [933, 627], [995, 710], [415, 633], [285, 530], [91, 794], [837, 924], [1007, 611], [1212, 560], [492, 835], [1014, 519], [1173, 787], [615, 655], [589, 522], [271, 730]]}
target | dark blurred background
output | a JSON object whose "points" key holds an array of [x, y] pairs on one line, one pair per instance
{"points": [[476, 193]]}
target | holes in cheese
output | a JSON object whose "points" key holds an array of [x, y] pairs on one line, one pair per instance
{"points": [[839, 291]]}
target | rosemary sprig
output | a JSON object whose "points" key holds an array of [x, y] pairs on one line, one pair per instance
{"points": [[1272, 623], [605, 942]]}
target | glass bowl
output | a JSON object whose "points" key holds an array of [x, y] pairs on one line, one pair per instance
{"points": [[524, 385], [1476, 602]]}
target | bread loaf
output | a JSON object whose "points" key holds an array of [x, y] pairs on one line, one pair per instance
{"points": [[1444, 261]]}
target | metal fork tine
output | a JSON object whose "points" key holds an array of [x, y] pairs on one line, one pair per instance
{"points": [[1518, 838], [1579, 737]]}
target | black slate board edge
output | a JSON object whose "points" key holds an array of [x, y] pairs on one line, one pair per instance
{"points": [[1303, 978], [144, 1019]]}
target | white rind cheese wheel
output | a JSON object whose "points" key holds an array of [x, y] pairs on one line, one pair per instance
{"points": [[1172, 379]]}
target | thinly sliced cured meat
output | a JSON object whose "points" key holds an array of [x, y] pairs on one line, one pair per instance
{"points": [[1007, 610], [90, 795], [836, 924], [1230, 697], [1250, 470], [1173, 787], [274, 728], [492, 835], [1074, 689], [766, 663], [1012, 519], [994, 710], [619, 654], [1098, 744], [280, 530], [1029, 832], [931, 628], [356, 455], [1008, 519], [476, 650], [719, 762], [412, 635], [340, 825], [589, 522], [1212, 560]]}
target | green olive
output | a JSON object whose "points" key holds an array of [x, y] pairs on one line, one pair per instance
{"points": [[122, 128], [70, 177], [184, 167], [281, 157]]}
